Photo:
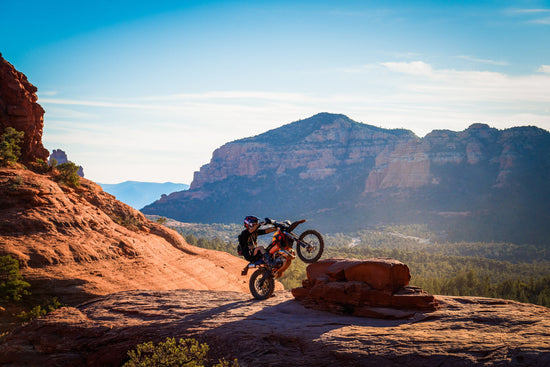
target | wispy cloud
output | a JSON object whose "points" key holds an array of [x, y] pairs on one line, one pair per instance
{"points": [[47, 93], [519, 11], [544, 69], [536, 16], [545, 21], [75, 102], [243, 95], [483, 61], [472, 85], [411, 68], [185, 100]]}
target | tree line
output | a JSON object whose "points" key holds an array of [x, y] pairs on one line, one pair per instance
{"points": [[497, 270]]}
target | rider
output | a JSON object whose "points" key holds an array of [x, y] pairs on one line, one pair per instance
{"points": [[248, 240]]}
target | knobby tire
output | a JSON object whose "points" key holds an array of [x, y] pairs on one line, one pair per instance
{"points": [[261, 286], [315, 239]]}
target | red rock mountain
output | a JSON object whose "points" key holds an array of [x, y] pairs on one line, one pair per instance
{"points": [[81, 242], [478, 184]]}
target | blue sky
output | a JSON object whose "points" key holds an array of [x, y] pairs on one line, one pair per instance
{"points": [[142, 90]]}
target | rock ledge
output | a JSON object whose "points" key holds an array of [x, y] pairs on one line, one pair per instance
{"points": [[371, 288]]}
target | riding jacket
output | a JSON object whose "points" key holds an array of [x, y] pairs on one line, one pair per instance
{"points": [[248, 242]]}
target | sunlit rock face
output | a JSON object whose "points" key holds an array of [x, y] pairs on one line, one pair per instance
{"points": [[18, 109], [317, 148], [376, 287]]}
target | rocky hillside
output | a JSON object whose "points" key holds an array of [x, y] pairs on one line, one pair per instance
{"points": [[80, 242], [478, 184], [465, 331], [77, 242]]}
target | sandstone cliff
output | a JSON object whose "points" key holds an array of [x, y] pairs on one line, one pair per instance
{"points": [[317, 148], [465, 331], [306, 167], [477, 184], [18, 109]]}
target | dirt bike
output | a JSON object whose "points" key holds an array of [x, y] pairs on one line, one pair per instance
{"points": [[309, 246]]}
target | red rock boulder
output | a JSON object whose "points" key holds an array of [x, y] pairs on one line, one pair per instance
{"points": [[18, 109], [373, 288]]}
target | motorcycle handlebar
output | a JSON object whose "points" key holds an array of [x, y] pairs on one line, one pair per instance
{"points": [[282, 225]]}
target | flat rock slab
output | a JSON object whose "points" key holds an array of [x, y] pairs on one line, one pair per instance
{"points": [[466, 331]]}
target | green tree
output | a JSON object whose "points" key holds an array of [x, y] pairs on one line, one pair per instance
{"points": [[68, 174], [12, 285], [10, 150], [38, 311], [191, 239]]}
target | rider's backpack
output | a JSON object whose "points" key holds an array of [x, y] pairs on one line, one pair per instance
{"points": [[242, 248], [239, 247]]}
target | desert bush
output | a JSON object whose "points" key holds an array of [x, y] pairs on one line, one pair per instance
{"points": [[10, 151], [53, 162], [185, 352], [68, 174], [39, 166], [162, 220], [38, 311], [12, 285], [17, 182], [128, 221]]}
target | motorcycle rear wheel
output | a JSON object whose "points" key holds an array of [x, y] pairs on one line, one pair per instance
{"points": [[310, 246], [261, 284]]}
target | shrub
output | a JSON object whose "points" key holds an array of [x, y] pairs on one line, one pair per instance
{"points": [[12, 285], [10, 151], [186, 353], [39, 166], [127, 220], [38, 311], [162, 220], [53, 162], [69, 174], [17, 182]]}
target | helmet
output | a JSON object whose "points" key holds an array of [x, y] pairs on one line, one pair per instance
{"points": [[250, 221]]}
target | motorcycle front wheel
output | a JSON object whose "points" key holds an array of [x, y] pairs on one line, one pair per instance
{"points": [[310, 246], [261, 284]]}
